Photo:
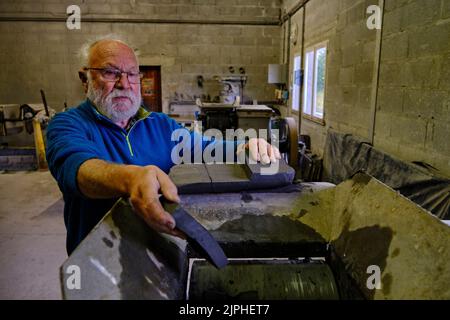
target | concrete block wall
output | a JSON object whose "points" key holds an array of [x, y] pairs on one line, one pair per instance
{"points": [[35, 55], [350, 60], [412, 111], [413, 105]]}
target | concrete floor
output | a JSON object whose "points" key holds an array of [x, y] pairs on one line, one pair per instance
{"points": [[32, 236]]}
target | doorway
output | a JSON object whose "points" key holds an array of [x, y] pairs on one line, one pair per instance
{"points": [[151, 88]]}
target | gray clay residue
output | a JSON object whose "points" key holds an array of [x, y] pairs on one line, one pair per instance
{"points": [[274, 228], [108, 242]]}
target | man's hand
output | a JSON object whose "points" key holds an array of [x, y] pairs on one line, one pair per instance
{"points": [[260, 150], [144, 185], [98, 179]]}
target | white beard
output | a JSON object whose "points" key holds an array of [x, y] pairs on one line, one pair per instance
{"points": [[114, 111]]}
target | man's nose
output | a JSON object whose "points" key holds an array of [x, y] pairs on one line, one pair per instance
{"points": [[123, 82]]}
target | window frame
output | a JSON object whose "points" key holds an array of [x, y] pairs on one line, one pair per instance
{"points": [[312, 115]]}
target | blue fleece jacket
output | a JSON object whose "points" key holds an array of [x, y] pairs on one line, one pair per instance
{"points": [[83, 133]]}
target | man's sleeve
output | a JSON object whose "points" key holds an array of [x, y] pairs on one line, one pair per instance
{"points": [[199, 142], [228, 147], [68, 147]]}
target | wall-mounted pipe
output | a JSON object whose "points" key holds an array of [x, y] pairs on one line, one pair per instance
{"points": [[302, 67], [294, 10], [272, 22], [376, 76], [283, 57], [287, 17], [288, 59]]}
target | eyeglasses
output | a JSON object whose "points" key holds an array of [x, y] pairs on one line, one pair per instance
{"points": [[114, 75]]}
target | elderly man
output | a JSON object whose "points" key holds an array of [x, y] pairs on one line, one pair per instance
{"points": [[110, 147]]}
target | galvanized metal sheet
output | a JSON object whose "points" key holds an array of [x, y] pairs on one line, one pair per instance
{"points": [[122, 258]]}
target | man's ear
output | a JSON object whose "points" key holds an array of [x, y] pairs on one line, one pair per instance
{"points": [[84, 80]]}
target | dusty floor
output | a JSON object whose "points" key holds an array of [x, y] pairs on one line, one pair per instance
{"points": [[32, 236]]}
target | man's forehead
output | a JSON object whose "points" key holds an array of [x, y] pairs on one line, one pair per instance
{"points": [[112, 53]]}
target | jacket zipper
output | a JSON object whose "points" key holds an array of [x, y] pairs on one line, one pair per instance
{"points": [[127, 136], [129, 144]]}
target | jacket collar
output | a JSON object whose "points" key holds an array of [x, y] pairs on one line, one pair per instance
{"points": [[90, 107]]}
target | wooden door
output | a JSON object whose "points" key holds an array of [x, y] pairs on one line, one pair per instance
{"points": [[151, 88]]}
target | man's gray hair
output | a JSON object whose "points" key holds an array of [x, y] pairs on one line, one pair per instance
{"points": [[86, 48]]}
